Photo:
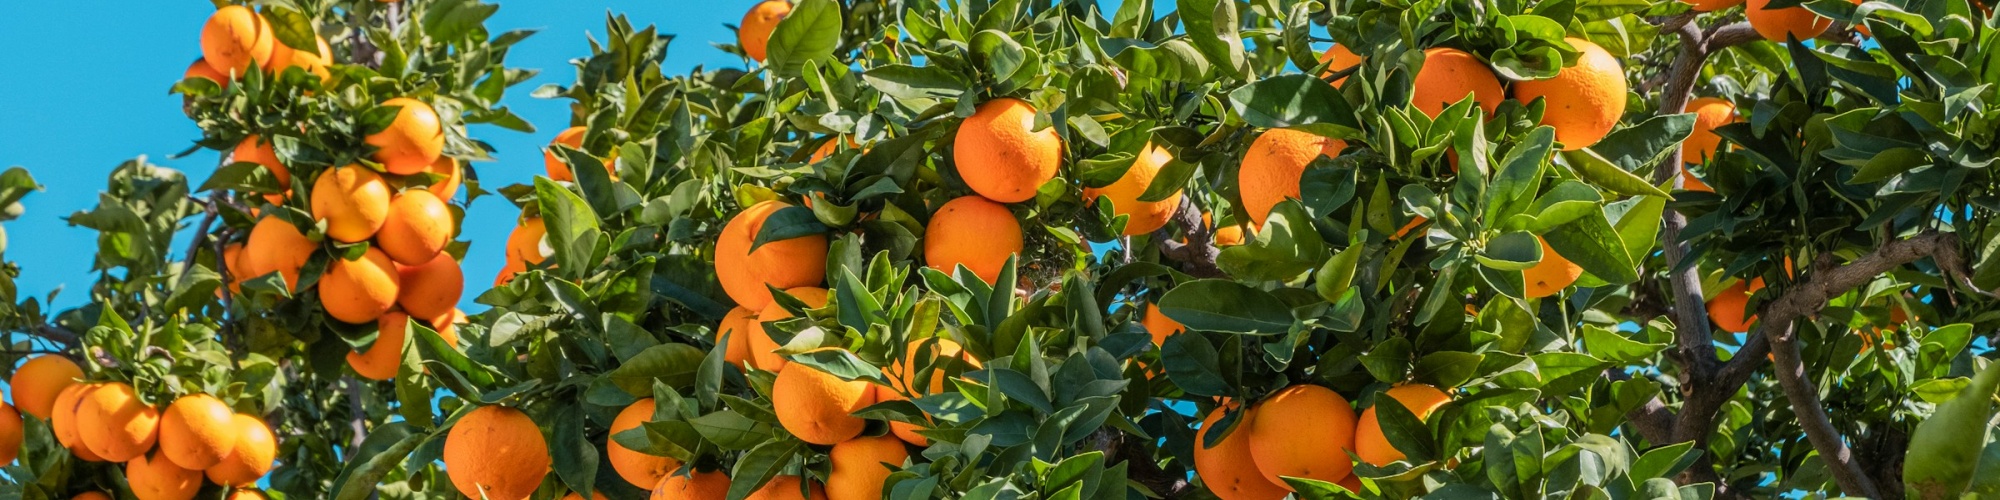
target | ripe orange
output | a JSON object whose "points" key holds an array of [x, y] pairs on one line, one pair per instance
{"points": [[829, 147], [572, 137], [496, 451], [736, 327], [250, 458], [1551, 275], [10, 433], [38, 382], [354, 202], [1273, 166], [156, 478], [816, 406], [447, 325], [62, 420], [594, 495], [418, 227], [788, 487], [254, 150], [1001, 156], [1711, 5], [1158, 324], [1230, 235], [762, 349], [1730, 309], [1776, 24], [785, 264], [1142, 216], [1352, 483], [1371, 445], [755, 30], [431, 289], [276, 246], [1584, 101], [525, 244], [1227, 469], [449, 176], [507, 272], [1302, 431], [1342, 59], [360, 290], [1448, 76], [858, 467], [200, 69], [91, 495], [197, 431], [412, 142], [696, 485], [640, 469], [234, 37], [1709, 113], [232, 261], [284, 57], [903, 378], [383, 359], [973, 232], [115, 424]]}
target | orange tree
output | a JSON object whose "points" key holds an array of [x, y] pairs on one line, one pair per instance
{"points": [[1479, 249]]}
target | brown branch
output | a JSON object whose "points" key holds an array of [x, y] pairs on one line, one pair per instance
{"points": [[1653, 420], [1196, 256], [1140, 466], [357, 416]]}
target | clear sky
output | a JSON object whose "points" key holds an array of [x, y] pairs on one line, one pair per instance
{"points": [[86, 88]]}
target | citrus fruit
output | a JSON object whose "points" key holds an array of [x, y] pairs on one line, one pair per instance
{"points": [[496, 451], [1273, 166], [640, 469], [695, 485], [747, 274], [1369, 442], [1341, 59], [156, 478], [1302, 431], [817, 406], [254, 149], [1448, 75], [973, 232], [197, 431], [1141, 216], [1001, 156], [62, 421], [38, 382], [1158, 324], [861, 466], [234, 37], [448, 176], [354, 202], [1227, 468], [417, 229], [285, 57], [201, 69], [763, 350], [1778, 24], [276, 246], [115, 424], [250, 458], [412, 141], [1551, 275], [360, 290], [1730, 308], [384, 358], [526, 244], [755, 30], [10, 433], [431, 289], [1585, 100], [789, 487], [1709, 113], [733, 336]]}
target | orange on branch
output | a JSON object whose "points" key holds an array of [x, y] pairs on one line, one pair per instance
{"points": [[412, 141], [62, 421], [246, 495], [197, 431], [1448, 75], [733, 336], [1159, 325], [746, 274], [1001, 156], [276, 246], [1302, 431], [1730, 308], [234, 37], [554, 164], [385, 358], [640, 469], [1709, 113], [1341, 59], [695, 485], [1273, 166], [1584, 101], [432, 289], [201, 69], [754, 32], [115, 424], [594, 495], [903, 378], [817, 406], [11, 435], [789, 487], [525, 244], [763, 350], [354, 202], [156, 478], [1227, 469], [1141, 216], [254, 149], [284, 57], [1369, 442], [974, 232], [360, 290], [250, 459], [861, 465], [1551, 275], [496, 451], [417, 229], [39, 382], [1777, 24], [449, 174]]}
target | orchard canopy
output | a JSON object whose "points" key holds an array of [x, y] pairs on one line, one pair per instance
{"points": [[1037, 249]]}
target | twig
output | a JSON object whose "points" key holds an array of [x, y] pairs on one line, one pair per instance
{"points": [[357, 417], [1197, 255]]}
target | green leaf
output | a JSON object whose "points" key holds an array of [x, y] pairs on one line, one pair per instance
{"points": [[293, 29], [1590, 243], [810, 32], [675, 364], [1610, 345], [904, 81], [570, 450], [1333, 278], [572, 226], [1639, 146], [378, 455], [760, 465], [1192, 364], [1291, 100], [786, 223], [1212, 25], [1511, 251], [1602, 173], [1226, 306], [450, 20]]}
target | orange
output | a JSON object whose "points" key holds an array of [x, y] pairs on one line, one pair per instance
{"points": [[115, 424], [447, 324], [276, 246], [1227, 469], [284, 57], [354, 202], [1302, 431], [412, 142], [559, 170], [418, 227], [1273, 166], [1709, 113], [736, 327], [91, 495], [746, 274], [1585, 100], [1448, 76], [1141, 216], [10, 433], [1711, 5], [1730, 309], [787, 487], [233, 262], [449, 175], [1776, 24], [1158, 324], [640, 469], [62, 421], [507, 273], [861, 466], [1371, 445], [1551, 275], [1230, 235], [431, 289], [1352, 483], [973, 232], [1341, 58], [200, 69], [254, 150], [360, 290], [197, 431], [1001, 156], [763, 353], [38, 382], [250, 458], [156, 478], [696, 485], [903, 378], [816, 406], [234, 37], [829, 147], [496, 451], [1414, 223], [525, 244], [385, 358], [594, 495], [755, 30]]}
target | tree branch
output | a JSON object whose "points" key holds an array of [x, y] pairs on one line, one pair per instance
{"points": [[1196, 256]]}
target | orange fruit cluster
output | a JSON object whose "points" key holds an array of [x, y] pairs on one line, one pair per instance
{"points": [[1303, 431], [236, 39], [166, 451]]}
